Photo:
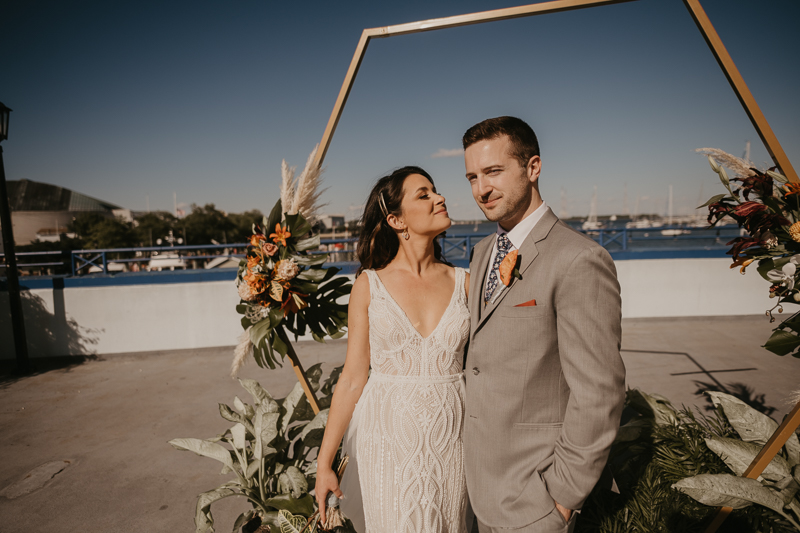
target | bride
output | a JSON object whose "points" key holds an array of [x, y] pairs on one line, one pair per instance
{"points": [[408, 322]]}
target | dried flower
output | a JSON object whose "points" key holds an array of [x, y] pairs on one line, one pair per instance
{"points": [[245, 293], [749, 208], [286, 269], [280, 235], [269, 249], [794, 232], [257, 238], [769, 240]]}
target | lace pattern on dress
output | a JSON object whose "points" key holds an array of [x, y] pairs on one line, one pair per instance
{"points": [[410, 453]]}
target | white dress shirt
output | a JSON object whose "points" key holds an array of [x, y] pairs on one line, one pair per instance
{"points": [[517, 236]]}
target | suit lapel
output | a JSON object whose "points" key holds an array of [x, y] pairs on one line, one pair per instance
{"points": [[478, 267], [528, 252]]}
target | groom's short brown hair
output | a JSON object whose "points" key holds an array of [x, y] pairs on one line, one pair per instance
{"points": [[523, 139]]}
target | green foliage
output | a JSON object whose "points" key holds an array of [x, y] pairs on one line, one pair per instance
{"points": [[153, 226], [206, 223], [95, 230], [270, 449], [306, 302], [243, 224], [659, 446]]}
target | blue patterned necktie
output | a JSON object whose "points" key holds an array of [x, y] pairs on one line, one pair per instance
{"points": [[503, 247]]}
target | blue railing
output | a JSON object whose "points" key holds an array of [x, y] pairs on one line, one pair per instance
{"points": [[454, 247]]}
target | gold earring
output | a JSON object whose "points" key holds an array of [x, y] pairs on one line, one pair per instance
{"points": [[406, 236]]}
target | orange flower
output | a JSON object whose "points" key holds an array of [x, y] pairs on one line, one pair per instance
{"points": [[743, 262], [257, 282], [792, 188], [252, 260], [507, 267], [280, 235], [256, 239]]}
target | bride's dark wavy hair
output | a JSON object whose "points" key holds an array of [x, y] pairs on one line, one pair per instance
{"points": [[379, 242]]}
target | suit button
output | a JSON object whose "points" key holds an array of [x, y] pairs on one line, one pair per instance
{"points": [[476, 371]]}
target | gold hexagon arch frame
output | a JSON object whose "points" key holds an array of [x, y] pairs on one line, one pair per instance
{"points": [[728, 67], [698, 14]]}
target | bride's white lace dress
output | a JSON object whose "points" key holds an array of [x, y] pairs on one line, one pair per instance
{"points": [[410, 418]]}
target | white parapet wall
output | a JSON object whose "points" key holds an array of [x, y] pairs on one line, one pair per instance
{"points": [[172, 316]]}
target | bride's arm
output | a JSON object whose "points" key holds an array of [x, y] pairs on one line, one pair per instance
{"points": [[347, 392]]}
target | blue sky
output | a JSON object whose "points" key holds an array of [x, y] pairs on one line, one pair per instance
{"points": [[124, 100]]}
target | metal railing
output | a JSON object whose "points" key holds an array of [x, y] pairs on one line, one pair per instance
{"points": [[454, 247]]}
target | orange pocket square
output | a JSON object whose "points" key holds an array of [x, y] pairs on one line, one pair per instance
{"points": [[529, 303]]}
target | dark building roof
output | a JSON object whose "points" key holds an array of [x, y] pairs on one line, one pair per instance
{"points": [[26, 195]]}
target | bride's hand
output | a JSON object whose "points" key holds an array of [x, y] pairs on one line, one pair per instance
{"points": [[326, 482]]}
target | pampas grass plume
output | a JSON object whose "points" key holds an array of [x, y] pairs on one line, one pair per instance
{"points": [[242, 352], [287, 186], [740, 167], [308, 192]]}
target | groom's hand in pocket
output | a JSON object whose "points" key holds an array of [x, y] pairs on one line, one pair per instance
{"points": [[566, 513], [326, 482]]}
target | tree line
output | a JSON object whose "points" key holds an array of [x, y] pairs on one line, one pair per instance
{"points": [[204, 225]]}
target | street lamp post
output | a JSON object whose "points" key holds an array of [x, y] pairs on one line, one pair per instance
{"points": [[12, 279]]}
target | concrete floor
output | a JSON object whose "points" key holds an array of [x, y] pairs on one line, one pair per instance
{"points": [[111, 419]]}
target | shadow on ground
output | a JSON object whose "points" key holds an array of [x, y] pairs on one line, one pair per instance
{"points": [[55, 341], [739, 390]]}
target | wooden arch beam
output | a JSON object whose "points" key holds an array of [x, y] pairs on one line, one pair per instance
{"points": [[695, 9]]}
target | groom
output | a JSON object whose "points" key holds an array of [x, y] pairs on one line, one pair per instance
{"points": [[545, 381]]}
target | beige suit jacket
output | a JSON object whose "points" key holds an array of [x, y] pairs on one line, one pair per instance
{"points": [[545, 383]]}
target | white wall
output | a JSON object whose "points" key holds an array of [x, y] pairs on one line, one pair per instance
{"points": [[140, 318]]}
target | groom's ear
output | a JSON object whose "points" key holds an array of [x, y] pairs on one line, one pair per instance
{"points": [[534, 168]]}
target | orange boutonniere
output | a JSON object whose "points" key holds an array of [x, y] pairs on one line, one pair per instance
{"points": [[280, 235], [510, 267]]}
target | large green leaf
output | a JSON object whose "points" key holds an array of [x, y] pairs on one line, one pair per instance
{"points": [[312, 433], [266, 429], [259, 394], [238, 433], [751, 425], [284, 502], [232, 416], [259, 331], [311, 243], [275, 217], [293, 481], [782, 342], [242, 520], [205, 448], [653, 406], [290, 404], [738, 455], [725, 490], [203, 521]]}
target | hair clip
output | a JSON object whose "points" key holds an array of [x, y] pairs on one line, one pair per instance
{"points": [[382, 203]]}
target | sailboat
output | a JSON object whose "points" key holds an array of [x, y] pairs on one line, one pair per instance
{"points": [[591, 223], [672, 232]]}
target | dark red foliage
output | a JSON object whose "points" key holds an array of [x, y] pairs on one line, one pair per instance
{"points": [[748, 209], [759, 183], [740, 244]]}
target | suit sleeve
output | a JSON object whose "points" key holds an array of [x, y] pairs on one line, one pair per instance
{"points": [[588, 314]]}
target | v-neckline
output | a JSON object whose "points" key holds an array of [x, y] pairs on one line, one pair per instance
{"points": [[408, 320]]}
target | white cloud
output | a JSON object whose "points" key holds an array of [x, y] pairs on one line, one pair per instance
{"points": [[443, 152]]}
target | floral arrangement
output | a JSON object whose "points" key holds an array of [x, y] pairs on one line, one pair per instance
{"points": [[767, 207], [281, 283]]}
